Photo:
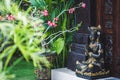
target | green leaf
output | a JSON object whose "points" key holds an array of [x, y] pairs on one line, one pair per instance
{"points": [[49, 3], [1, 65], [38, 3], [17, 61], [24, 51], [69, 38], [9, 51], [37, 59], [53, 14], [64, 23], [5, 52], [34, 2], [58, 45]]}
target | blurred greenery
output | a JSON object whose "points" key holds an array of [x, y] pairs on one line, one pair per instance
{"points": [[23, 71], [30, 29]]}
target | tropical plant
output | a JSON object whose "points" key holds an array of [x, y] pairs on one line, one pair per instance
{"points": [[55, 9], [60, 13], [32, 32]]}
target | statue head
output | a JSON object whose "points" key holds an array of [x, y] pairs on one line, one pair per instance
{"points": [[94, 32]]}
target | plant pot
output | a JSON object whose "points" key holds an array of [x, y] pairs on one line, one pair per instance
{"points": [[45, 73]]}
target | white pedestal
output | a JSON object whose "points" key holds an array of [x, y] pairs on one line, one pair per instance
{"points": [[66, 74]]}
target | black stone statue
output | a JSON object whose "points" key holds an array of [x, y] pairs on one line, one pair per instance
{"points": [[93, 66]]}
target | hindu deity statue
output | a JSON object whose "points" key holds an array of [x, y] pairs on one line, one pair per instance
{"points": [[93, 66]]}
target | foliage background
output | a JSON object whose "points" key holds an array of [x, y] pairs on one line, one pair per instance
{"points": [[56, 8]]}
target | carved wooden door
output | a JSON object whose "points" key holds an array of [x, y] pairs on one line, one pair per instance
{"points": [[108, 16]]}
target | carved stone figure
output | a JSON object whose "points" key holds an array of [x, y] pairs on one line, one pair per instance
{"points": [[94, 63]]}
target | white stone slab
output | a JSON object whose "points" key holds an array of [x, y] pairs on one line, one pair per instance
{"points": [[66, 74]]}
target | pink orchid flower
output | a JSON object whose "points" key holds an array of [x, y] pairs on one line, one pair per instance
{"points": [[71, 10], [83, 5], [49, 23], [45, 13], [10, 17], [54, 24], [55, 19]]}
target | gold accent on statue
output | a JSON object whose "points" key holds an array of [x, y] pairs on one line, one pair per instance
{"points": [[90, 66], [77, 62], [100, 73]]}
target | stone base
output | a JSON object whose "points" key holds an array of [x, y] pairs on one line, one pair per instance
{"points": [[92, 77], [67, 74]]}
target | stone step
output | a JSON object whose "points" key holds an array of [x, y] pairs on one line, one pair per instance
{"points": [[67, 74], [73, 57]]}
